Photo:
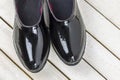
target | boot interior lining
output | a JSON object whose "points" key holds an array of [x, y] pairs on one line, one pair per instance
{"points": [[62, 9], [29, 11]]}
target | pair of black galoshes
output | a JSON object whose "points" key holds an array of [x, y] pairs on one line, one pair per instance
{"points": [[39, 21]]}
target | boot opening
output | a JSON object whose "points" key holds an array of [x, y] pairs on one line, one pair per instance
{"points": [[62, 9], [29, 11]]}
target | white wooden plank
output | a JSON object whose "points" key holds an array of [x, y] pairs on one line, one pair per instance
{"points": [[7, 10], [109, 8], [82, 71], [6, 45], [96, 54], [102, 59], [102, 29], [8, 71], [86, 72]]}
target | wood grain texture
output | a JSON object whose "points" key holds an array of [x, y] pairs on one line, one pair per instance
{"points": [[109, 8], [8, 71]]}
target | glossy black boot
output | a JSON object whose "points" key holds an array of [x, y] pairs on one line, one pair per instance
{"points": [[67, 30], [30, 36]]}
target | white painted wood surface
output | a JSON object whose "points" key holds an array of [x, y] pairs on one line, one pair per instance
{"points": [[102, 59], [102, 29], [100, 62], [8, 71], [82, 71], [109, 8], [7, 10]]}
